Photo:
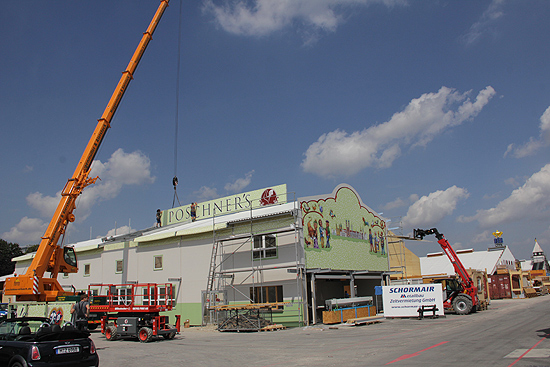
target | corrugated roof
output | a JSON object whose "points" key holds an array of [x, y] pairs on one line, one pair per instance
{"points": [[479, 260], [184, 229]]}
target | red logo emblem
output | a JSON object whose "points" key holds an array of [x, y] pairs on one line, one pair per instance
{"points": [[268, 197]]}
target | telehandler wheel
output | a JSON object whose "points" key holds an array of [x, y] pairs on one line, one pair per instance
{"points": [[110, 333], [170, 336], [462, 305], [145, 334]]}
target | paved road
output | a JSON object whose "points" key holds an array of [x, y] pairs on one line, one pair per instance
{"points": [[511, 332]]}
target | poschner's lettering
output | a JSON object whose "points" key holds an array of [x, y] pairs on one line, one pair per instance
{"points": [[228, 204]]}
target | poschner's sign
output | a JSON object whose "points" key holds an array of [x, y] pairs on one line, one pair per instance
{"points": [[228, 204], [405, 300]]}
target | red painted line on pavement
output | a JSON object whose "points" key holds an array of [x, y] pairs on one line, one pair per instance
{"points": [[523, 355], [407, 356]]}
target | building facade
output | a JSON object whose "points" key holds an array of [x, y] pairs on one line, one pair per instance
{"points": [[262, 246]]}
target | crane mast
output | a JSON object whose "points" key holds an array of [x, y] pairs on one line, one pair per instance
{"points": [[33, 286]]}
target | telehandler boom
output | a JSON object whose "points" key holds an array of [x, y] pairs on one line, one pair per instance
{"points": [[462, 299]]}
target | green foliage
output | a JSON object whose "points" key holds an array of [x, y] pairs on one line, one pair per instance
{"points": [[8, 251], [32, 248]]}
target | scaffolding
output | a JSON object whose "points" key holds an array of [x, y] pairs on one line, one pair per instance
{"points": [[246, 252], [396, 252]]}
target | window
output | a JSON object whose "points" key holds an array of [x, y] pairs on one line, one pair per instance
{"points": [[120, 296], [119, 266], [157, 262], [157, 295], [265, 247], [268, 294], [86, 270]]}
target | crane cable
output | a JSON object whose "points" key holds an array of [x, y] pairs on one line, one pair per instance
{"points": [[175, 179]]}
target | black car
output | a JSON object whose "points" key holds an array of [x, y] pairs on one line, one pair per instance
{"points": [[35, 342]]}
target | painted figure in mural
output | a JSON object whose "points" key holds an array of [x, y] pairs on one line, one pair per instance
{"points": [[310, 234], [327, 231], [315, 243], [370, 241], [193, 212], [159, 215], [383, 252], [321, 234]]}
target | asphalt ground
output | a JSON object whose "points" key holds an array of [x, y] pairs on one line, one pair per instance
{"points": [[514, 332]]}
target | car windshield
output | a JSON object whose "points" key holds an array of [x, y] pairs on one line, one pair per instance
{"points": [[14, 326]]}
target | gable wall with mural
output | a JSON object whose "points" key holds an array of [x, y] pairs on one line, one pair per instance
{"points": [[342, 233]]}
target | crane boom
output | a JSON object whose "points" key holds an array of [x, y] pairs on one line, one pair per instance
{"points": [[33, 286]]}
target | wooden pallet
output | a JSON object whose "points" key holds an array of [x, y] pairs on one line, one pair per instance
{"points": [[273, 327], [365, 320]]}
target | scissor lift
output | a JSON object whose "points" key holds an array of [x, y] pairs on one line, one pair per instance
{"points": [[133, 310]]}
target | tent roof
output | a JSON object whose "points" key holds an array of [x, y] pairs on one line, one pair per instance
{"points": [[479, 260]]}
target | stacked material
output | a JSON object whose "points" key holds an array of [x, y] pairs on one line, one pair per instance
{"points": [[249, 321]]}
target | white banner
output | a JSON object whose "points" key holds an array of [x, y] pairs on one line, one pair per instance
{"points": [[405, 300]]}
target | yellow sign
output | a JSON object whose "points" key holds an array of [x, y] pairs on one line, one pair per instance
{"points": [[229, 204], [497, 234]]}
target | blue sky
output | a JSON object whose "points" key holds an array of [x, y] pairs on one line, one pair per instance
{"points": [[436, 112]]}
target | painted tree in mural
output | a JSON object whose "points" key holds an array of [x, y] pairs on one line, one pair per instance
{"points": [[8, 251]]}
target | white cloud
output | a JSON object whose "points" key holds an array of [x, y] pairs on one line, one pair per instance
{"points": [[263, 17], [340, 153], [44, 204], [118, 231], [533, 145], [206, 193], [429, 210], [489, 16], [27, 232], [121, 169], [399, 202], [528, 202], [240, 183]]}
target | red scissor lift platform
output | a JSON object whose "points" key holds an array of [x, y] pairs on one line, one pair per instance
{"points": [[133, 310]]}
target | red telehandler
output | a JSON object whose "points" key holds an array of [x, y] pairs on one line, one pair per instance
{"points": [[461, 294]]}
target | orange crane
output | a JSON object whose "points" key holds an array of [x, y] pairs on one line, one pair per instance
{"points": [[50, 256]]}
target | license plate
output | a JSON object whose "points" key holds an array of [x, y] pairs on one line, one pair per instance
{"points": [[67, 350]]}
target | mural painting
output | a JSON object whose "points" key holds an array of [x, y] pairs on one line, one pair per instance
{"points": [[342, 233]]}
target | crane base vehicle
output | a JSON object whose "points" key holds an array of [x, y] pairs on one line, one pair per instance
{"points": [[133, 310], [460, 293]]}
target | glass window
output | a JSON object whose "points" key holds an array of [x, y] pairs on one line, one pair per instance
{"points": [[267, 294], [157, 262], [119, 266], [69, 256], [265, 247], [86, 270]]}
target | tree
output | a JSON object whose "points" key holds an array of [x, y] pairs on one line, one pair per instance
{"points": [[8, 251], [32, 248]]}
